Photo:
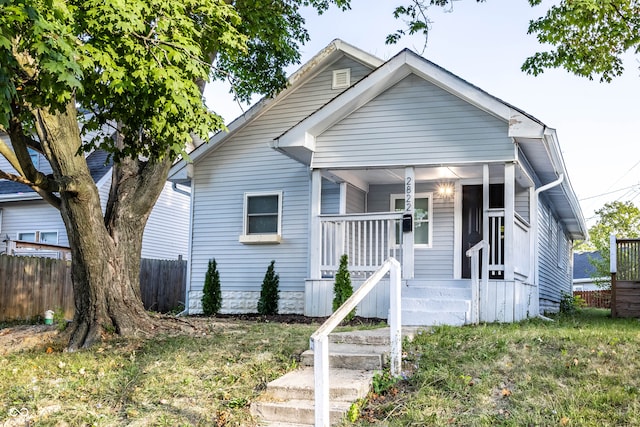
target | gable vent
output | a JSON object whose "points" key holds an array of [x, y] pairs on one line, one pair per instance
{"points": [[341, 78]]}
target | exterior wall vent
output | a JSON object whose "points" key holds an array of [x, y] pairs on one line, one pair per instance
{"points": [[341, 78]]}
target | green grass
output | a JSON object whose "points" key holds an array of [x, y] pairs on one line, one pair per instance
{"points": [[206, 380], [580, 370]]}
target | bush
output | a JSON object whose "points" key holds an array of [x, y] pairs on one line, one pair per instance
{"points": [[268, 302], [212, 296], [342, 288], [571, 304]]}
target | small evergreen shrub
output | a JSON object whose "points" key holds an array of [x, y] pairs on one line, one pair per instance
{"points": [[211, 296], [342, 288], [268, 302]]}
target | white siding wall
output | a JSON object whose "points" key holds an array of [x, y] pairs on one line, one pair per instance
{"points": [[414, 122], [43, 165], [245, 163], [166, 234], [30, 216], [434, 262], [555, 270]]}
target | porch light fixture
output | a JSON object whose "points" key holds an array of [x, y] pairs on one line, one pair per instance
{"points": [[445, 190]]}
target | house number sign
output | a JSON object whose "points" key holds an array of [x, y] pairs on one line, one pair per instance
{"points": [[408, 195]]}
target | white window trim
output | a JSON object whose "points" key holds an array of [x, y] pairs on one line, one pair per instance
{"points": [[336, 84], [39, 233], [35, 235], [429, 197], [261, 238]]}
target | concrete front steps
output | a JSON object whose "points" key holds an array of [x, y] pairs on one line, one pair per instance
{"points": [[353, 357], [442, 302]]}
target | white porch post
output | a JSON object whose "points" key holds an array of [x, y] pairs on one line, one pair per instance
{"points": [[509, 218], [315, 241], [407, 238], [485, 210]]}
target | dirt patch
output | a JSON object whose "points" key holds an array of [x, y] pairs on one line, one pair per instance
{"points": [[26, 337]]}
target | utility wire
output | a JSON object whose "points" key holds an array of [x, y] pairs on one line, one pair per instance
{"points": [[625, 174], [606, 194]]}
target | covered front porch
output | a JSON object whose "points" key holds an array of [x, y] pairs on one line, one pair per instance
{"points": [[427, 218]]}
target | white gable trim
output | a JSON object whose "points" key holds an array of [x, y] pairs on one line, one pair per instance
{"points": [[397, 68]]}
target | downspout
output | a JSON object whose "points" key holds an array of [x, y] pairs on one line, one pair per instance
{"points": [[174, 187], [535, 244]]}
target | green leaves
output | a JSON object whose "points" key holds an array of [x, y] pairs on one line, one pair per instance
{"points": [[589, 37]]}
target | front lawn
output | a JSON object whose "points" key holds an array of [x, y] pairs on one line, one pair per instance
{"points": [[205, 378], [581, 370]]}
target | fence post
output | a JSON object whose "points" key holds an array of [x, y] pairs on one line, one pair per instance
{"points": [[613, 268]]}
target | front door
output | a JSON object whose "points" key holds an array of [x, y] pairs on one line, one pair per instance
{"points": [[471, 223]]}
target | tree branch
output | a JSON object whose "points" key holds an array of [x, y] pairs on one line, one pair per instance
{"points": [[48, 196]]}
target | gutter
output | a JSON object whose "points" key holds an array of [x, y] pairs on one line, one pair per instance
{"points": [[534, 244]]}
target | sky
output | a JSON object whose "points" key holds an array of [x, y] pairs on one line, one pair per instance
{"points": [[486, 43]]}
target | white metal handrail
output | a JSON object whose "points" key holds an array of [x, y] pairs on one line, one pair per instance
{"points": [[474, 254], [320, 339]]}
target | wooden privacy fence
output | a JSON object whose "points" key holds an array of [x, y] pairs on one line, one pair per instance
{"points": [[595, 299], [30, 285]]}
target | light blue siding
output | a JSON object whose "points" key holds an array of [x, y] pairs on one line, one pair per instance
{"points": [[413, 123], [555, 269], [356, 200], [245, 163], [436, 261], [330, 203]]}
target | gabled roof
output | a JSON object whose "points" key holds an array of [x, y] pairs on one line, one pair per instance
{"points": [[336, 49], [538, 142], [14, 191], [302, 135]]}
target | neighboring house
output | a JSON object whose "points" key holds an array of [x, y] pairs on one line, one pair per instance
{"points": [[584, 272], [25, 217], [332, 163]]}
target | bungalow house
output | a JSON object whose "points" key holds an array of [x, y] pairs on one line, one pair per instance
{"points": [[30, 226], [373, 159]]}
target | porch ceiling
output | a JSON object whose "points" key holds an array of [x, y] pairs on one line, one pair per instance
{"points": [[362, 178]]}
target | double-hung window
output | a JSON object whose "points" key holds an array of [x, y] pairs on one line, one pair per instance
{"points": [[422, 227], [262, 218]]}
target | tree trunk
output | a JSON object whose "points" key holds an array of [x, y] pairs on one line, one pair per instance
{"points": [[105, 249]]}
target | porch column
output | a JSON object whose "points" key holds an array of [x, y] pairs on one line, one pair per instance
{"points": [[315, 241], [407, 236], [509, 218]]}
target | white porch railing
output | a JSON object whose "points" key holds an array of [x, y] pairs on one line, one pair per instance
{"points": [[496, 242], [320, 339], [367, 240], [476, 290]]}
